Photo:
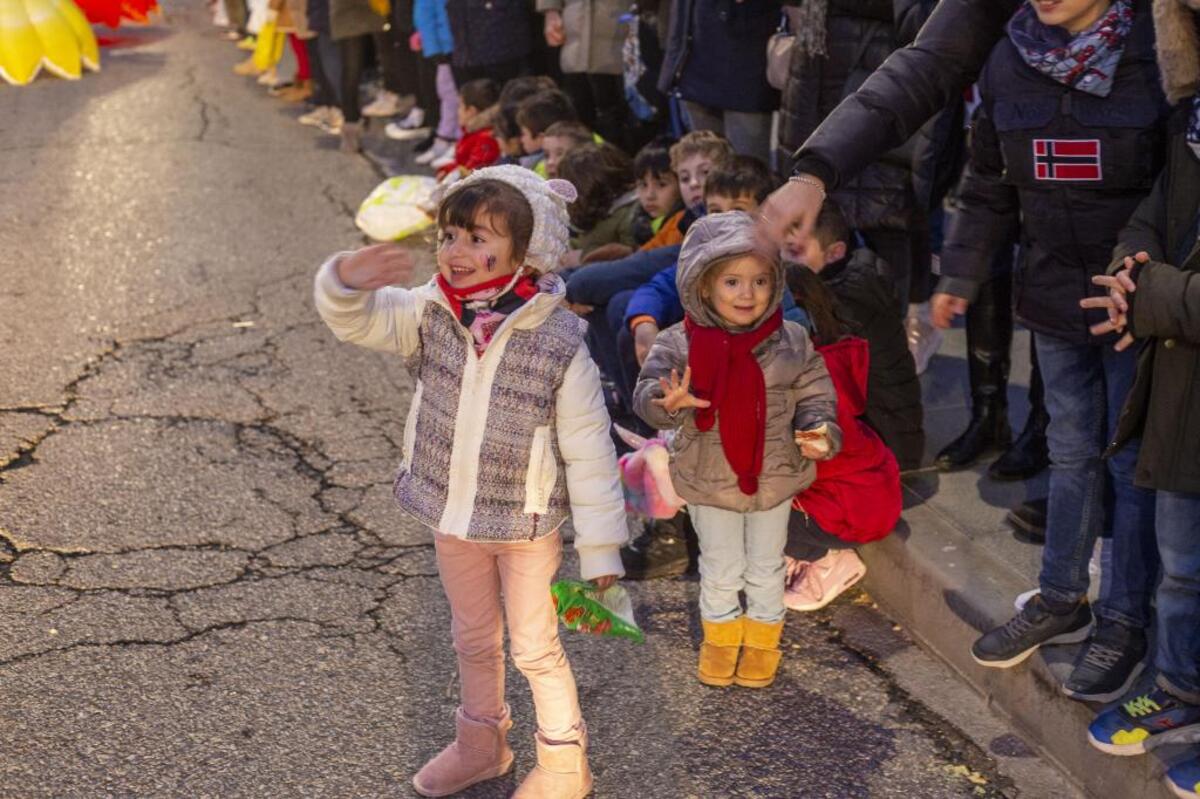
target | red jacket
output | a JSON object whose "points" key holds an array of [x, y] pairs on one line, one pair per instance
{"points": [[856, 495], [475, 150]]}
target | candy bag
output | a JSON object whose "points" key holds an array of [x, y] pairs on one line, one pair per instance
{"points": [[582, 607]]}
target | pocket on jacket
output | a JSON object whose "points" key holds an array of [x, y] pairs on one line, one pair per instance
{"points": [[410, 428], [542, 474]]}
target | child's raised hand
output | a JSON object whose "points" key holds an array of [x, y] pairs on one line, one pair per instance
{"points": [[677, 393], [375, 267]]}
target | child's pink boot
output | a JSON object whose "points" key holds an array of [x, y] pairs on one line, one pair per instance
{"points": [[562, 771], [479, 752]]}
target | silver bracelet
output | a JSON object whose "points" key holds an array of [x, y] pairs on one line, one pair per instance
{"points": [[807, 181]]}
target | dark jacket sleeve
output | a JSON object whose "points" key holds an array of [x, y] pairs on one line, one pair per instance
{"points": [[658, 298], [1166, 304], [911, 86], [986, 216], [1146, 230], [595, 284]]}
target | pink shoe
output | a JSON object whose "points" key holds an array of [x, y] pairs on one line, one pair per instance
{"points": [[814, 585], [479, 752]]}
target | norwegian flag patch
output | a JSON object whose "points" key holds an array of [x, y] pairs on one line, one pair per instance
{"points": [[1067, 159]]}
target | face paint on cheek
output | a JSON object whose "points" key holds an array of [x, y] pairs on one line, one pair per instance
{"points": [[491, 263]]}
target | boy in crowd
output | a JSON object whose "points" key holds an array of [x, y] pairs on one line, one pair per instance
{"points": [[534, 116], [1068, 139], [865, 301], [560, 139]]}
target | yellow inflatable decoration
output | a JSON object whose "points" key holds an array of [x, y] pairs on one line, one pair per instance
{"points": [[45, 33]]}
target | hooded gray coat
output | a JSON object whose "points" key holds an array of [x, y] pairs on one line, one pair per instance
{"points": [[800, 394]]}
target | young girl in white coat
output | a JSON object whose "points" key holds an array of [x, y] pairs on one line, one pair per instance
{"points": [[507, 436]]}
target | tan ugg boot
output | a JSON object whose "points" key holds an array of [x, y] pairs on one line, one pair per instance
{"points": [[719, 651], [480, 752], [561, 773], [760, 654], [247, 67]]}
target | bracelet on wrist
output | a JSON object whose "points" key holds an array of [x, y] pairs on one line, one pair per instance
{"points": [[807, 181]]}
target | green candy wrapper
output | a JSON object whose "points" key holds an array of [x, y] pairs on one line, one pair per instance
{"points": [[581, 607]]}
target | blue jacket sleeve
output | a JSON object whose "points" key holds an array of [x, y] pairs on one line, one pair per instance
{"points": [[658, 298], [794, 313]]}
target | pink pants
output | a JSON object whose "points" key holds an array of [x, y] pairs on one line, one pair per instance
{"points": [[474, 574]]}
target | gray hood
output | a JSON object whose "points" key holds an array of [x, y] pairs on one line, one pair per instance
{"points": [[710, 240]]}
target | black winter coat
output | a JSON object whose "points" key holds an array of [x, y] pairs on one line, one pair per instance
{"points": [[860, 36], [1074, 166], [913, 84], [865, 299], [716, 53], [489, 31], [1164, 404]]}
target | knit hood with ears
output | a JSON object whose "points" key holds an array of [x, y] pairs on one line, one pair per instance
{"points": [[1178, 43], [549, 198], [709, 241]]}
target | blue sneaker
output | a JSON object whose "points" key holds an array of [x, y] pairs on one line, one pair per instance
{"points": [[1143, 722], [1184, 778]]}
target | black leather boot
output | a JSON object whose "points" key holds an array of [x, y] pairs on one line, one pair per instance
{"points": [[989, 339], [1029, 454]]}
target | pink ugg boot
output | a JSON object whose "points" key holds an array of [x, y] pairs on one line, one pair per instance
{"points": [[479, 752], [562, 771]]}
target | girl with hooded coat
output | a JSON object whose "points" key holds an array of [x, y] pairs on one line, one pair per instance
{"points": [[763, 410]]}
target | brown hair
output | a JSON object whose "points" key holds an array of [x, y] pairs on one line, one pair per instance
{"points": [[539, 111], [743, 174], [577, 132], [701, 142], [831, 225], [502, 201], [601, 173], [811, 294]]}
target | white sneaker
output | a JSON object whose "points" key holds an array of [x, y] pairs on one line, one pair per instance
{"points": [[316, 117], [445, 160], [270, 78], [814, 585], [333, 122], [385, 104], [924, 340], [441, 148], [398, 131]]}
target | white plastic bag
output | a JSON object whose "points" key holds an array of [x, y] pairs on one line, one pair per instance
{"points": [[397, 208]]}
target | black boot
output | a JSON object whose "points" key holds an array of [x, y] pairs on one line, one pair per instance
{"points": [[1028, 521], [989, 338], [660, 551], [1029, 454]]}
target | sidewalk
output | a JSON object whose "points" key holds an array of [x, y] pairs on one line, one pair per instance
{"points": [[953, 568]]}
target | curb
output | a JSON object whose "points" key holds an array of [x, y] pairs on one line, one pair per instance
{"points": [[946, 590]]}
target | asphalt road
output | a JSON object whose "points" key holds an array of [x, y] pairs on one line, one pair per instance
{"points": [[205, 590]]}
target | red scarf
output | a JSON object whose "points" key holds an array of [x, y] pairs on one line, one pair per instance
{"points": [[725, 372], [525, 288]]}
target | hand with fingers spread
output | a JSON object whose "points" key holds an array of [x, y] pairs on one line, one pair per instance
{"points": [[375, 267], [677, 393]]}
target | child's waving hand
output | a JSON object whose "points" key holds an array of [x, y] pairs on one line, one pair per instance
{"points": [[375, 267], [677, 394]]}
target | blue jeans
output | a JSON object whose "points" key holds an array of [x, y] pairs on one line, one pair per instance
{"points": [[741, 552], [1178, 656], [1086, 386]]}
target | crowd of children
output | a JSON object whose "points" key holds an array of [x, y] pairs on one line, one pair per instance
{"points": [[598, 263]]}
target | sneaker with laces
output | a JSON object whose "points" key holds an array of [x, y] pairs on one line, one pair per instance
{"points": [[445, 160], [815, 584], [1144, 721], [385, 104], [1019, 637], [1183, 778], [440, 149], [1106, 668]]}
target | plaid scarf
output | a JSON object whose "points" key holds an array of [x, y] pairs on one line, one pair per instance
{"points": [[1086, 60]]}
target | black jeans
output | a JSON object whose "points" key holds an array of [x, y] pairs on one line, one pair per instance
{"points": [[600, 102], [807, 541]]}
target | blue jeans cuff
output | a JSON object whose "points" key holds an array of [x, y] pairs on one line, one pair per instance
{"points": [[1172, 686], [1108, 614], [1056, 595]]}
